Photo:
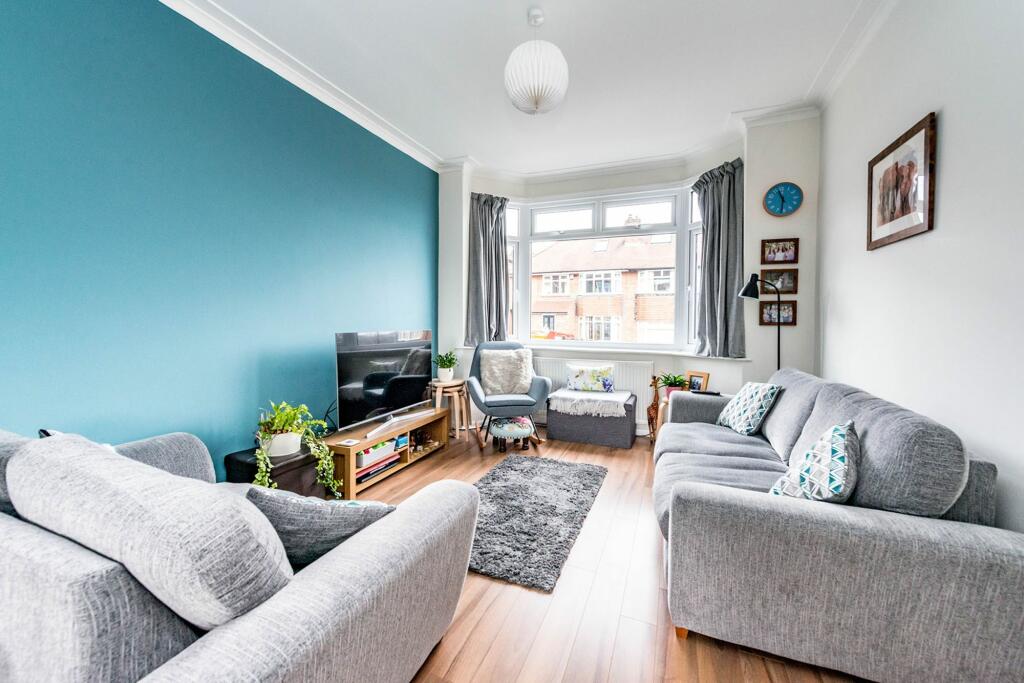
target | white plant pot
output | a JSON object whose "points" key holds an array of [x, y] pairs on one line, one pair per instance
{"points": [[283, 444], [446, 374]]}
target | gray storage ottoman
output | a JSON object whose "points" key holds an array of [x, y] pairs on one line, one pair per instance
{"points": [[616, 432]]}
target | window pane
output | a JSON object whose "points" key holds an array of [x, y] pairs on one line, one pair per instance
{"points": [[635, 215], [512, 259], [563, 221], [624, 293], [512, 222], [694, 208]]}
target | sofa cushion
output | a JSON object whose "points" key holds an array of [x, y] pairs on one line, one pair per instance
{"points": [[708, 439], [749, 407], [793, 406], [69, 614], [9, 445], [752, 474], [206, 553], [977, 503], [908, 464], [178, 453], [827, 472], [311, 527]]}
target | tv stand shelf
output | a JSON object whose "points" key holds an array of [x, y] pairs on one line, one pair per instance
{"points": [[434, 424]]}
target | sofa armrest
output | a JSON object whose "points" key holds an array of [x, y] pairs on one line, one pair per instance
{"points": [[685, 406], [878, 594], [370, 610], [179, 453]]}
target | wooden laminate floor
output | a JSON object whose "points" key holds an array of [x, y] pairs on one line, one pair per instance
{"points": [[607, 619]]}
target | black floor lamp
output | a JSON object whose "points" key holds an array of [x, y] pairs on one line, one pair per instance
{"points": [[750, 291]]}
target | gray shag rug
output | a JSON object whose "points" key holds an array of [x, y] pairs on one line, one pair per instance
{"points": [[531, 511]]}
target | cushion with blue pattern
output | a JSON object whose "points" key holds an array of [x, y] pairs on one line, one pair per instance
{"points": [[747, 410], [828, 471]]}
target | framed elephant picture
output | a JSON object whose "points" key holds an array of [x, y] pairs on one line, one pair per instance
{"points": [[901, 186]]}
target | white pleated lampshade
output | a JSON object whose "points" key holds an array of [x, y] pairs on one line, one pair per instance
{"points": [[536, 76]]}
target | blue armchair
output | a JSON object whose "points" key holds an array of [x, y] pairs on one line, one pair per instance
{"points": [[505, 405]]}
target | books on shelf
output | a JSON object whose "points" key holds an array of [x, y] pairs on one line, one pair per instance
{"points": [[373, 470]]}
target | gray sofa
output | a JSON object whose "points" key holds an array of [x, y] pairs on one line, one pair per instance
{"points": [[909, 581], [369, 610]]}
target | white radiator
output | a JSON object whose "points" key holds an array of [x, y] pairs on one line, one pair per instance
{"points": [[634, 376]]}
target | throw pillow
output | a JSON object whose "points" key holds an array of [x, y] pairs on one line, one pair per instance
{"points": [[385, 366], [748, 408], [506, 371], [206, 553], [416, 363], [310, 527], [590, 378], [828, 471]]}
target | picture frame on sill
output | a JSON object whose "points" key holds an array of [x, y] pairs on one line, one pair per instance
{"points": [[901, 186], [697, 381], [782, 250], [770, 314], [786, 279]]}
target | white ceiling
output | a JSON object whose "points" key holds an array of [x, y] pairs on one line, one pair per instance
{"points": [[648, 80]]}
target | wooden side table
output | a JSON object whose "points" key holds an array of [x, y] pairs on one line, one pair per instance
{"points": [[458, 401]]}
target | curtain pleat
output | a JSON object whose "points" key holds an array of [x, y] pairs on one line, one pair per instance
{"points": [[487, 302]]}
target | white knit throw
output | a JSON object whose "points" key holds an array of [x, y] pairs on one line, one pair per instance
{"points": [[595, 403]]}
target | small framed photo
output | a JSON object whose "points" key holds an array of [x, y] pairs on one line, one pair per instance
{"points": [[698, 381], [901, 186], [784, 278], [772, 315], [780, 251]]}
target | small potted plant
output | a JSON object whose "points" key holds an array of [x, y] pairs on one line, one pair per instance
{"points": [[282, 431], [673, 382], [446, 363]]}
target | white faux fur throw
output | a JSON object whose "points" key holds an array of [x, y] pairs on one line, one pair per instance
{"points": [[596, 403], [506, 371]]}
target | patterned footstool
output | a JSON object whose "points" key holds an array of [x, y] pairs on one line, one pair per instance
{"points": [[519, 429]]}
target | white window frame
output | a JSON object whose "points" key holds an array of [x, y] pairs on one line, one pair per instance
{"points": [[614, 278], [613, 322], [646, 280], [544, 317], [684, 337], [549, 279]]}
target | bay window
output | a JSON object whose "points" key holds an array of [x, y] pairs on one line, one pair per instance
{"points": [[620, 269]]}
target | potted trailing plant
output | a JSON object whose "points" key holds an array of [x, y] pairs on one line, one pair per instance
{"points": [[673, 382], [446, 363], [282, 430]]}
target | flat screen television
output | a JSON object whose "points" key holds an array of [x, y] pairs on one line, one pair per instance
{"points": [[381, 374]]}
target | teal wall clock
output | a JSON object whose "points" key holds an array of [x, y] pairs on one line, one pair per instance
{"points": [[782, 199]]}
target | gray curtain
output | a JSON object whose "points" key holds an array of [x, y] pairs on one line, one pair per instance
{"points": [[719, 308], [487, 304]]}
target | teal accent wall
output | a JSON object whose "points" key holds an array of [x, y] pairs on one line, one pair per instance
{"points": [[183, 231]]}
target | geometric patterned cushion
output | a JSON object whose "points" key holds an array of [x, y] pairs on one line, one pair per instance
{"points": [[748, 408], [827, 472]]}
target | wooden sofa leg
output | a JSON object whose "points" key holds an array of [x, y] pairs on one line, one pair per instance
{"points": [[682, 632]]}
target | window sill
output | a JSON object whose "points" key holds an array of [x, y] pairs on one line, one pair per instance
{"points": [[597, 351]]}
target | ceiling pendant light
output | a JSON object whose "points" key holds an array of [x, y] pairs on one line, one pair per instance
{"points": [[536, 73]]}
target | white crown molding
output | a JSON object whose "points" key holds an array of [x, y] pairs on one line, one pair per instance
{"points": [[214, 19], [862, 28], [463, 163], [770, 116], [634, 165]]}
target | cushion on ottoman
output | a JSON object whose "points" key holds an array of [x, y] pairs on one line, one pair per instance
{"points": [[205, 552]]}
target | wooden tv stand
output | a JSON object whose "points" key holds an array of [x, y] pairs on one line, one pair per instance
{"points": [[435, 424]]}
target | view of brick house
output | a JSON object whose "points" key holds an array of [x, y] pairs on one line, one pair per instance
{"points": [[619, 289]]}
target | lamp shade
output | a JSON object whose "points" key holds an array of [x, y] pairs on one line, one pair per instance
{"points": [[536, 76], [749, 290]]}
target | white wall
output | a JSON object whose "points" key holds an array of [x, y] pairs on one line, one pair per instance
{"points": [[776, 151], [452, 254], [934, 322]]}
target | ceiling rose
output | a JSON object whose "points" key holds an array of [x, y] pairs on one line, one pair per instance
{"points": [[536, 73]]}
